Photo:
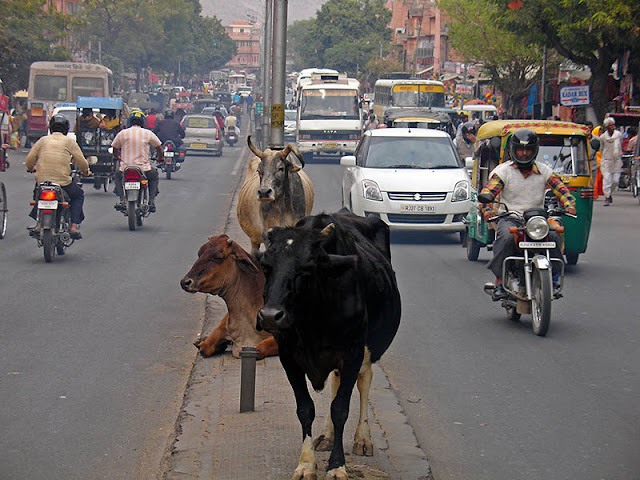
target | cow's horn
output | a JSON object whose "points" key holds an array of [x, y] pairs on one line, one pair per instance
{"points": [[253, 148], [291, 165], [328, 230], [296, 152]]}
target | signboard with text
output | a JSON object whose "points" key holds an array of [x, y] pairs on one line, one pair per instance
{"points": [[464, 89], [575, 95], [259, 108]]}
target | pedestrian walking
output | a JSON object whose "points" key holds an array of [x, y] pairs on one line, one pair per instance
{"points": [[249, 102], [611, 163]]}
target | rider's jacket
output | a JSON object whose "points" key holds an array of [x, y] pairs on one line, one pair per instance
{"points": [[52, 156], [134, 143], [169, 129], [524, 190], [231, 121]]}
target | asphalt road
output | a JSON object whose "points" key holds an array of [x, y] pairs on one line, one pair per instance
{"points": [[95, 348], [486, 397]]}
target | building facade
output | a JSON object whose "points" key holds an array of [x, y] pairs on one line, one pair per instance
{"points": [[246, 36]]}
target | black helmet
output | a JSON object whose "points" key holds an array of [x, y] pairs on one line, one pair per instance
{"points": [[59, 123], [468, 127], [168, 114], [529, 140]]}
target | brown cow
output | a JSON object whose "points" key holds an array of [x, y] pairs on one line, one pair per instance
{"points": [[224, 268], [275, 193]]}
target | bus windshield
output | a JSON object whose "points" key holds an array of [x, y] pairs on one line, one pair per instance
{"points": [[324, 102], [86, 87], [50, 87], [418, 96]]}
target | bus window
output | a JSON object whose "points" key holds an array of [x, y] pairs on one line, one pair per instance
{"points": [[86, 87], [50, 87]]}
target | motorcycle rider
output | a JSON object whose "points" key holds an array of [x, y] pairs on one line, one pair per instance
{"points": [[169, 129], [230, 124], [521, 184], [131, 147], [51, 158]]}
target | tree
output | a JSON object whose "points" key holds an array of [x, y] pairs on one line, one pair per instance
{"points": [[28, 33], [588, 32]]}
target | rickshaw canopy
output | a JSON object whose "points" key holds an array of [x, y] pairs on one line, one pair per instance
{"points": [[113, 103], [501, 128]]}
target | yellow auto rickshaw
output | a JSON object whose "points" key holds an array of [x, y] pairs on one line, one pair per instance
{"points": [[564, 147]]}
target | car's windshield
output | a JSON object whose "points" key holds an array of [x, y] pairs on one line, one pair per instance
{"points": [[69, 115], [410, 152], [323, 102], [565, 155]]}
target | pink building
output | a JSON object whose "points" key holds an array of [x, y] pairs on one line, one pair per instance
{"points": [[68, 7], [247, 38]]}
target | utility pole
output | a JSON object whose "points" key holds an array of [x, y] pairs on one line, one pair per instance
{"points": [[266, 72], [279, 72], [543, 89], [415, 53]]}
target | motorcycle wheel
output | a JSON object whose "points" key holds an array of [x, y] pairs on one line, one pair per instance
{"points": [[473, 248], [48, 244], [168, 174], [541, 301], [106, 185], [512, 314], [3, 210], [572, 258], [131, 215], [139, 220]]}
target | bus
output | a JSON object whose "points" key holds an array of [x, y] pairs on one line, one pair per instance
{"points": [[237, 80], [406, 93], [329, 119], [304, 77], [51, 83]]}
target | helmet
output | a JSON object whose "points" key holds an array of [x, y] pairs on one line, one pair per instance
{"points": [[468, 127], [59, 123], [168, 114], [529, 140], [137, 118]]}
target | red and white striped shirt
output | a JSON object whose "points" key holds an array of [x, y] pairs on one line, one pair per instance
{"points": [[134, 144]]}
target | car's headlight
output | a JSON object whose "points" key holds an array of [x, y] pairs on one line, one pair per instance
{"points": [[537, 228], [461, 191], [371, 190]]}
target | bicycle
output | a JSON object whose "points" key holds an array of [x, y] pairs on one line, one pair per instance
{"points": [[3, 195]]}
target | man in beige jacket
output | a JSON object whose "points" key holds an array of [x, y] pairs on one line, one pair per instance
{"points": [[51, 159]]}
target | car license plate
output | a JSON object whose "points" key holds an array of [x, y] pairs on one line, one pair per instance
{"points": [[198, 145], [418, 208], [169, 154], [48, 204], [132, 186], [330, 145], [537, 244]]}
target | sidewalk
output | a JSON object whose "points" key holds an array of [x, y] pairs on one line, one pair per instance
{"points": [[216, 442]]}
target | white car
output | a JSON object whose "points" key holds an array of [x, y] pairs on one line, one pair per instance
{"points": [[412, 178], [290, 126]]}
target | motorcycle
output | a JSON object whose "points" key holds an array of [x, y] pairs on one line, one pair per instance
{"points": [[231, 136], [136, 191], [173, 159], [527, 277], [54, 220], [635, 178]]}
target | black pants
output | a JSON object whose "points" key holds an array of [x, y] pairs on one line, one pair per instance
{"points": [[152, 176], [504, 246], [76, 202]]}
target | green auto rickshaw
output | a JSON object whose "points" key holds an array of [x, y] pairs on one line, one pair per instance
{"points": [[564, 147]]}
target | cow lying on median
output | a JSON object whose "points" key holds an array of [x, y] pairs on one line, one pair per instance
{"points": [[276, 192], [224, 268], [332, 303]]}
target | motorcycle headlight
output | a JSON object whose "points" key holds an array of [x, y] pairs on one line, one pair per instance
{"points": [[371, 190], [461, 191], [537, 228]]}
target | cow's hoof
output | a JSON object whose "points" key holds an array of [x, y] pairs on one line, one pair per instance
{"points": [[363, 448], [339, 473], [305, 471], [323, 444]]}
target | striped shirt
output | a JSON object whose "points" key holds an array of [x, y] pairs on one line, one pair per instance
{"points": [[134, 144]]}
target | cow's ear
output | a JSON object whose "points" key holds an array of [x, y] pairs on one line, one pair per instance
{"points": [[293, 167], [243, 259], [339, 264]]}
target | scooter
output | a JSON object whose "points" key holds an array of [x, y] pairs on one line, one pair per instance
{"points": [[527, 277], [54, 220], [231, 136]]}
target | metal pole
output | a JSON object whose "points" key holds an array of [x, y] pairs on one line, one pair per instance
{"points": [[268, 40], [248, 356], [543, 89], [279, 72]]}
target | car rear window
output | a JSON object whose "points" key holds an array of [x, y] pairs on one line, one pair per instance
{"points": [[410, 152], [199, 122]]}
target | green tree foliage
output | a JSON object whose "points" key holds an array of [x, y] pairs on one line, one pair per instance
{"points": [[28, 33], [345, 35]]}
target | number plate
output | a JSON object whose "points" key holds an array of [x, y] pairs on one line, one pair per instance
{"points": [[48, 204], [537, 244], [418, 208], [330, 145], [169, 154], [198, 145], [131, 186]]}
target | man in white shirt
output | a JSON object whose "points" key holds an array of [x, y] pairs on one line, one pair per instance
{"points": [[611, 163]]}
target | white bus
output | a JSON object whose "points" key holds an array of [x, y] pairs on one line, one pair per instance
{"points": [[329, 119]]}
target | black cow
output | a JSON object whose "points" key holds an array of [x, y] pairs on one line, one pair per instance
{"points": [[332, 304]]}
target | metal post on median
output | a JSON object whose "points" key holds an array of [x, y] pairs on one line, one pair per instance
{"points": [[248, 357], [279, 73]]}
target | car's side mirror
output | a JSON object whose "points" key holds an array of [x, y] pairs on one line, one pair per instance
{"points": [[485, 198], [595, 144], [348, 161], [468, 162]]}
